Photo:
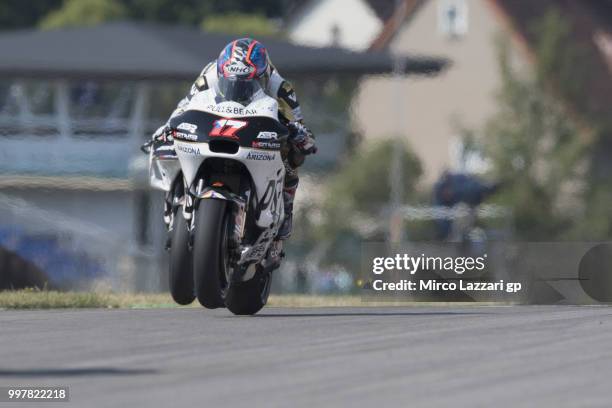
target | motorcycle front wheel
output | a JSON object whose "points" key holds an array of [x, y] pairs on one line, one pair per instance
{"points": [[209, 253]]}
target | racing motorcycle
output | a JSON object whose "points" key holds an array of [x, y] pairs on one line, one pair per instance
{"points": [[231, 202]]}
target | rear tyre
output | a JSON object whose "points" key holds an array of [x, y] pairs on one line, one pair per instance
{"points": [[208, 253], [247, 298], [181, 264]]}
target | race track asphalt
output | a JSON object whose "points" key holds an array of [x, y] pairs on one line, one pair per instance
{"points": [[536, 356]]}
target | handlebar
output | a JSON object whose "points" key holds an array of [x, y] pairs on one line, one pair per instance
{"points": [[146, 148], [165, 135]]}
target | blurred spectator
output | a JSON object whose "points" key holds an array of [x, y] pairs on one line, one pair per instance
{"points": [[458, 188]]}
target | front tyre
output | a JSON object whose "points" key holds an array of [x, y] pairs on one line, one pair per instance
{"points": [[181, 266], [247, 298], [209, 252]]}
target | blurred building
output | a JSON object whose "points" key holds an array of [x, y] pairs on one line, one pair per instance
{"points": [[351, 24], [75, 104], [464, 96], [431, 114]]}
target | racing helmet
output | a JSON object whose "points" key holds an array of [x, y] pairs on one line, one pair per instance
{"points": [[243, 69]]}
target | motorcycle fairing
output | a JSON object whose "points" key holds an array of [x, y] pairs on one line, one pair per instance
{"points": [[265, 166]]}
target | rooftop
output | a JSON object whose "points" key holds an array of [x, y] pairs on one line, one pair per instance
{"points": [[131, 50]]}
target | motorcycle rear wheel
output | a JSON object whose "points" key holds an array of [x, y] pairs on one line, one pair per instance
{"points": [[247, 298]]}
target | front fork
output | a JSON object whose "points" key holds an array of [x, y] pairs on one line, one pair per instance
{"points": [[238, 205], [173, 199]]}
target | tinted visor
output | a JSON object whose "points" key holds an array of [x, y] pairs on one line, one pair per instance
{"points": [[238, 90]]}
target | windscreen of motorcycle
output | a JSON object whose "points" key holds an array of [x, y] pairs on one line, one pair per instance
{"points": [[237, 89], [211, 101]]}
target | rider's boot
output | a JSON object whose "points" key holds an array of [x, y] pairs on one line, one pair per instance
{"points": [[284, 232]]}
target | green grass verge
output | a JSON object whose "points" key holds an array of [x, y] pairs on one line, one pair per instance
{"points": [[44, 299]]}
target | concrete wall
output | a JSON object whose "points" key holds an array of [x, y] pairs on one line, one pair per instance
{"points": [[104, 224], [112, 211]]}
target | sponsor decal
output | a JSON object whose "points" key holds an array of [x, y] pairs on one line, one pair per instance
{"points": [[185, 136], [238, 68], [212, 194], [257, 252], [200, 83], [267, 135], [190, 127], [227, 128], [260, 156], [195, 151], [235, 110], [287, 94], [266, 145], [165, 152]]}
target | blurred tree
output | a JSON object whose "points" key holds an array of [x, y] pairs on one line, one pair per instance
{"points": [[75, 13], [360, 189], [354, 202], [535, 142], [20, 14], [189, 12], [193, 12], [240, 24]]}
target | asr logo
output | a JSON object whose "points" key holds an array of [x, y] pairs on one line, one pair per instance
{"points": [[190, 127], [263, 135]]}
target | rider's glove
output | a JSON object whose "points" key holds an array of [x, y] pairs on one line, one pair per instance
{"points": [[302, 138], [163, 134]]}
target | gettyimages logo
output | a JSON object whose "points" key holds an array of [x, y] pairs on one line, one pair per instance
{"points": [[524, 272], [436, 272], [430, 269], [412, 264]]}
